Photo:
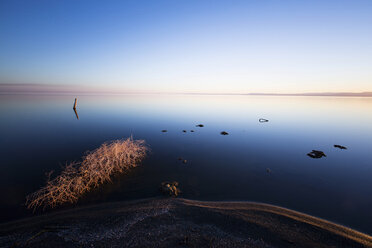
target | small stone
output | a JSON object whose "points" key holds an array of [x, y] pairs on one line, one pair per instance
{"points": [[179, 158], [164, 131], [192, 131], [263, 120], [200, 125], [340, 147], [224, 133], [316, 154], [184, 131]]}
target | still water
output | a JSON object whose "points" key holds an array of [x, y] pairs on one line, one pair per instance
{"points": [[39, 134]]}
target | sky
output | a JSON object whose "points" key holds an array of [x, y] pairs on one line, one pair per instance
{"points": [[266, 46]]}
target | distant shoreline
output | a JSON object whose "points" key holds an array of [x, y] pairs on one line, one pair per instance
{"points": [[173, 222], [20, 93], [44, 89]]}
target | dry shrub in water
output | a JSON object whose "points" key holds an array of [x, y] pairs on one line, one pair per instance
{"points": [[96, 168]]}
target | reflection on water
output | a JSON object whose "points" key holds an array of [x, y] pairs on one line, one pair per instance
{"points": [[265, 162], [75, 111]]}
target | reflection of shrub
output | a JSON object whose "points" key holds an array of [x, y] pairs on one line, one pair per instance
{"points": [[96, 168]]}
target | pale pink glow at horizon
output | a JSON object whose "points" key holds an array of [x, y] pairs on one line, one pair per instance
{"points": [[81, 89]]}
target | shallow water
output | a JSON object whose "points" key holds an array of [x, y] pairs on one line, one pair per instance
{"points": [[41, 133]]}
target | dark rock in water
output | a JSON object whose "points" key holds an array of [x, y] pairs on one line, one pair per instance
{"points": [[263, 120], [192, 131], [316, 154], [164, 131], [340, 147], [224, 133], [268, 170], [200, 125], [184, 131], [184, 161], [170, 188]]}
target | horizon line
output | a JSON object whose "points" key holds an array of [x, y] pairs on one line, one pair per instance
{"points": [[42, 89]]}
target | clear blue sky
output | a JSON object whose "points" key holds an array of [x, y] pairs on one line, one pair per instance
{"points": [[189, 46]]}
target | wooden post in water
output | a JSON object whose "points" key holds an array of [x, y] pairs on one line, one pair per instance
{"points": [[75, 103], [74, 108]]}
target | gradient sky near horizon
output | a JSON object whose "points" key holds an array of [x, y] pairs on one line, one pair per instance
{"points": [[189, 46]]}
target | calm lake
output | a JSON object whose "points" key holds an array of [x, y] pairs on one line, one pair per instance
{"points": [[39, 134]]}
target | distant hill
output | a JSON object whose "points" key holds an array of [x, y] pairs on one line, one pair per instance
{"points": [[354, 94]]}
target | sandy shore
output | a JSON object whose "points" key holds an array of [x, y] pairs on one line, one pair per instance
{"points": [[179, 223]]}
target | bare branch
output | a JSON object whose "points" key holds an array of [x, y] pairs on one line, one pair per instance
{"points": [[96, 168]]}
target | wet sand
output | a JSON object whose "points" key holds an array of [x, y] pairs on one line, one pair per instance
{"points": [[173, 222]]}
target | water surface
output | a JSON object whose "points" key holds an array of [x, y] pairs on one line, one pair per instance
{"points": [[41, 133]]}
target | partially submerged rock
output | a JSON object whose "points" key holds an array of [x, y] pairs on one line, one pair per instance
{"points": [[316, 154], [164, 131], [263, 120], [340, 147], [200, 125], [224, 133], [184, 131], [170, 188], [192, 131]]}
